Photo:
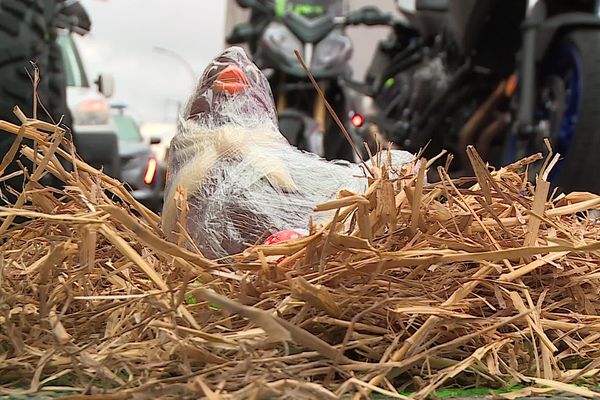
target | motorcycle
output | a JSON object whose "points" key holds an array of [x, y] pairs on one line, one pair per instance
{"points": [[316, 30], [503, 76]]}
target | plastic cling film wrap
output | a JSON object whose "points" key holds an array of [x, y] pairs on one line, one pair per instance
{"points": [[241, 180]]}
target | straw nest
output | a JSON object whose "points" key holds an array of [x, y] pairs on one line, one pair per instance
{"points": [[411, 287]]}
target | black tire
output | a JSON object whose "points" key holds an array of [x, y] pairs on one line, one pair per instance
{"points": [[335, 144], [292, 128], [581, 163], [28, 34]]}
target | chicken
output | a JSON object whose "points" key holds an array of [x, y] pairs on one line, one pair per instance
{"points": [[242, 179]]}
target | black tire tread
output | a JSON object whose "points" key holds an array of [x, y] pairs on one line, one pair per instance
{"points": [[582, 163], [27, 34]]}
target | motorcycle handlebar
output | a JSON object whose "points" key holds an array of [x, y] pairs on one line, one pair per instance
{"points": [[369, 16], [254, 5], [241, 33]]}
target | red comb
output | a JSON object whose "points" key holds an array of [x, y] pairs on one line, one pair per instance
{"points": [[231, 80]]}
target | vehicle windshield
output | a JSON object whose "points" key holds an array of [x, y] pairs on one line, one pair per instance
{"points": [[127, 129], [74, 71], [310, 8]]}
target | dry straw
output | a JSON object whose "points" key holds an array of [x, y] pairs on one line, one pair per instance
{"points": [[412, 287]]}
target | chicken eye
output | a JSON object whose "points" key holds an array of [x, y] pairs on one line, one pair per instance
{"points": [[208, 74], [253, 74]]}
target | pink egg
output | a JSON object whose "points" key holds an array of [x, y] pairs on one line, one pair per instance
{"points": [[283, 236]]}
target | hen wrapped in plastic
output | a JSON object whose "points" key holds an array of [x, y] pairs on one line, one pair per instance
{"points": [[239, 176]]}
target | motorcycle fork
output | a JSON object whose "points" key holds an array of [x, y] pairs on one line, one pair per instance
{"points": [[281, 103], [281, 97], [527, 72], [320, 112], [319, 108]]}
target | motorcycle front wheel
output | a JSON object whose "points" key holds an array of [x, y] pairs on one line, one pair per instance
{"points": [[567, 111], [335, 143]]}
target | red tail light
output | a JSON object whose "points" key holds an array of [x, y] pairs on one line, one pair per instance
{"points": [[94, 105], [150, 171], [92, 112], [357, 120]]}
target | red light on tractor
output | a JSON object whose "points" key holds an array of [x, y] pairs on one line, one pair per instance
{"points": [[94, 105], [357, 120], [150, 171]]}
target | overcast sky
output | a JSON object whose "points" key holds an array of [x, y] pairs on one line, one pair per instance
{"points": [[121, 43]]}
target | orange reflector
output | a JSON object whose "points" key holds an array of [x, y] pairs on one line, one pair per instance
{"points": [[150, 171], [231, 80], [511, 85]]}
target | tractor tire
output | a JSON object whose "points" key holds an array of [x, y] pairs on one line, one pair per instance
{"points": [[28, 34]]}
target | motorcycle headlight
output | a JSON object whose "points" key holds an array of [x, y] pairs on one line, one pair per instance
{"points": [[92, 112], [331, 50], [280, 38]]}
